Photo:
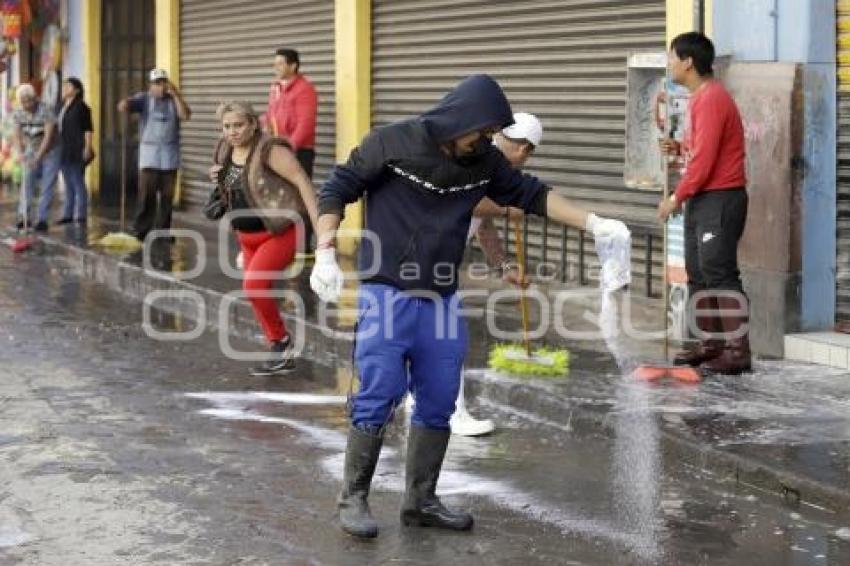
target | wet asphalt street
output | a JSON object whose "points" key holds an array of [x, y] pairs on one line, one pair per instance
{"points": [[119, 449]]}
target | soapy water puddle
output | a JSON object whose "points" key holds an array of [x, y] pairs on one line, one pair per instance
{"points": [[639, 506], [455, 481], [781, 402], [630, 502], [12, 536]]}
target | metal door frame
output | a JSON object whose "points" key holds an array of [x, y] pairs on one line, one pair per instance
{"points": [[127, 28]]}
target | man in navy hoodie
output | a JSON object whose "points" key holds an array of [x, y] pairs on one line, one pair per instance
{"points": [[421, 179]]}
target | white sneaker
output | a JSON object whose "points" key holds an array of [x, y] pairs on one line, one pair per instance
{"points": [[464, 424]]}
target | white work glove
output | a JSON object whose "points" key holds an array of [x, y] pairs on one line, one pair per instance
{"points": [[327, 278], [613, 245], [605, 227]]}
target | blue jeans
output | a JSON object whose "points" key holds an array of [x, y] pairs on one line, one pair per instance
{"points": [[43, 174], [407, 342], [76, 195]]}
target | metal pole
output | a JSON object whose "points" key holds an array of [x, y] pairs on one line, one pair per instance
{"points": [[124, 126], [699, 16], [664, 282]]}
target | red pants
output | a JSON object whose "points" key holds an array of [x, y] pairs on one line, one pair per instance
{"points": [[264, 251]]}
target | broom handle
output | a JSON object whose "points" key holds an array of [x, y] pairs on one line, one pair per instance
{"points": [[520, 258], [124, 127], [665, 164], [664, 268], [26, 198]]}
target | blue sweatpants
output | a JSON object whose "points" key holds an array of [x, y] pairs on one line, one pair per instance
{"points": [[407, 342]]}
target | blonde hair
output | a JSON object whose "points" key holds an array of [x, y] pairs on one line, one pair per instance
{"points": [[244, 109], [24, 90]]}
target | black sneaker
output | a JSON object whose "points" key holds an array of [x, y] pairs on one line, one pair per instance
{"points": [[65, 221], [281, 360], [41, 227]]}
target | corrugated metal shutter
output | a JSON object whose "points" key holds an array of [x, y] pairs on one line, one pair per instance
{"points": [[226, 53], [842, 307], [563, 60]]}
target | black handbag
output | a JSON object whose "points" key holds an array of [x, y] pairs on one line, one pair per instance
{"points": [[215, 206]]}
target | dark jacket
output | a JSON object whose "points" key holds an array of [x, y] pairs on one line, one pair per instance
{"points": [[75, 123], [419, 201]]}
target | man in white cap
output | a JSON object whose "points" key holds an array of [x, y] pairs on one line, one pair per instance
{"points": [[517, 143], [162, 109]]}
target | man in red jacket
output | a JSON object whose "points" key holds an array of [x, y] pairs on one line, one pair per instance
{"points": [[292, 107], [713, 189], [292, 112]]}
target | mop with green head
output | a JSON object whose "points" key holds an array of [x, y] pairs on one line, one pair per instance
{"points": [[520, 359], [121, 241]]}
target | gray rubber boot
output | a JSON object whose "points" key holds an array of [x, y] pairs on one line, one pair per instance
{"points": [[361, 458], [426, 449]]}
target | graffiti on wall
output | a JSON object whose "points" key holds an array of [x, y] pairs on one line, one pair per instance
{"points": [[767, 95]]}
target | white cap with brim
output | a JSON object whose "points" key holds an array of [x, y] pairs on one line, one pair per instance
{"points": [[158, 75], [525, 127]]}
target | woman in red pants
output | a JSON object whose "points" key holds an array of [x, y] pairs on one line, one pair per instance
{"points": [[258, 178]]}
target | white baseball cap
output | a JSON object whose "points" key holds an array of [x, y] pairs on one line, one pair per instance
{"points": [[525, 127], [158, 75]]}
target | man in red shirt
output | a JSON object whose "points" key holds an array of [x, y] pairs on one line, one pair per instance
{"points": [[292, 107], [713, 190], [292, 112]]}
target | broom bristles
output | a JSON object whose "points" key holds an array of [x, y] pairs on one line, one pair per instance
{"points": [[544, 362]]}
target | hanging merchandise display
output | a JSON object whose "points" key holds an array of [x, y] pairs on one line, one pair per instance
{"points": [[37, 15], [9, 49], [12, 19], [11, 168], [51, 49], [51, 65]]}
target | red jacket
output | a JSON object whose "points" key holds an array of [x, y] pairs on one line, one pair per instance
{"points": [[292, 112], [713, 146]]}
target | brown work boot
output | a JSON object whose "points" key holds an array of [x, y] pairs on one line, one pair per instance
{"points": [[708, 347], [735, 358]]}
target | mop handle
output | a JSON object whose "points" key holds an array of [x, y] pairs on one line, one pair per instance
{"points": [[26, 200], [666, 294], [520, 258], [124, 127], [665, 167]]}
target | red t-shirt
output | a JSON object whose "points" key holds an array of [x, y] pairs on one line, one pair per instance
{"points": [[292, 112], [713, 146]]}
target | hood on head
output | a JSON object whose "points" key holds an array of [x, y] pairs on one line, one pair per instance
{"points": [[477, 103]]}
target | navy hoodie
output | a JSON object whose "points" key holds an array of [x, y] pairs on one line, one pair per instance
{"points": [[419, 201]]}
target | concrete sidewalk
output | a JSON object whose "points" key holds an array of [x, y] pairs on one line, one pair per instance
{"points": [[785, 428]]}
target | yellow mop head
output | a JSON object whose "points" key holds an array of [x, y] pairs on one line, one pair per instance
{"points": [[544, 362], [120, 241]]}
